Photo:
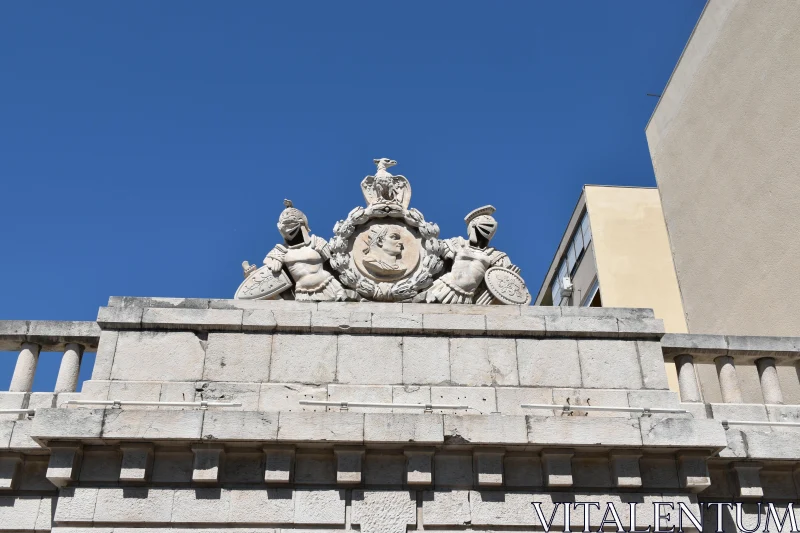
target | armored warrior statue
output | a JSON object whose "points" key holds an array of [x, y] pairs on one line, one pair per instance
{"points": [[303, 255], [471, 259]]}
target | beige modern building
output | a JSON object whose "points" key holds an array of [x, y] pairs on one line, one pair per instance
{"points": [[615, 253], [725, 145]]}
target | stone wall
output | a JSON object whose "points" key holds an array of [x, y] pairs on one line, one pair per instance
{"points": [[273, 463]]}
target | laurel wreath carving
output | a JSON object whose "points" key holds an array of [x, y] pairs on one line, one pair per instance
{"points": [[430, 262]]}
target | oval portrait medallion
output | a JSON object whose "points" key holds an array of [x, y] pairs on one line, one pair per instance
{"points": [[385, 251], [507, 286]]}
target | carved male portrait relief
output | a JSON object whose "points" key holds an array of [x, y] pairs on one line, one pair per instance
{"points": [[386, 252]]}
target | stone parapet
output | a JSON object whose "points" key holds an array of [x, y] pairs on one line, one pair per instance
{"points": [[526, 432], [379, 319], [50, 335], [705, 348]]}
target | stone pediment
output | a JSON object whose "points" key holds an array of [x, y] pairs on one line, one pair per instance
{"points": [[386, 251]]}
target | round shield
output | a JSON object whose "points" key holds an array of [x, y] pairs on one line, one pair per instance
{"points": [[263, 285], [507, 286]]}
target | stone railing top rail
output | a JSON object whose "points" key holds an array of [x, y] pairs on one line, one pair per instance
{"points": [[381, 307], [376, 318], [787, 349], [51, 335]]}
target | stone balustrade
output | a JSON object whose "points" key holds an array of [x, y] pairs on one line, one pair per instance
{"points": [[747, 369], [31, 337]]}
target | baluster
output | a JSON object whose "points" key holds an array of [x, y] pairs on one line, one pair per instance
{"points": [[728, 382], [22, 380], [770, 386], [67, 380], [687, 379]]}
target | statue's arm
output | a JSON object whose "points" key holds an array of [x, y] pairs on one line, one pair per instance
{"points": [[274, 259]]}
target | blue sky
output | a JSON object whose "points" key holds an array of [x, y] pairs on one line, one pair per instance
{"points": [[146, 147]]}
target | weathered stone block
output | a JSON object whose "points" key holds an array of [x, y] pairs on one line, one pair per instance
{"points": [[422, 428], [739, 411], [41, 400], [361, 393], [100, 465], [303, 358], [137, 462], [33, 474], [625, 470], [591, 397], [173, 466], [114, 318], [21, 436], [237, 357], [140, 391], [446, 508], [192, 319], [349, 462], [557, 468], [259, 320], [452, 470], [128, 424], [240, 426], [488, 466], [478, 399], [319, 507], [208, 461], [522, 326], [341, 320], [503, 508], [75, 504], [329, 427], [659, 472], [6, 429], [370, 360], [384, 469], [104, 358], [177, 391], [315, 468], [158, 356], [748, 479], [133, 504], [286, 397], [522, 471], [426, 360], [396, 323], [693, 471], [384, 511], [483, 361], [548, 362], [609, 364], [651, 361], [484, 429], [411, 394], [216, 391], [67, 424], [279, 464], [581, 326], [262, 506], [242, 466], [592, 472], [10, 466], [509, 400], [450, 324], [201, 506], [638, 328], [293, 320], [583, 431], [686, 431], [136, 301], [419, 466]]}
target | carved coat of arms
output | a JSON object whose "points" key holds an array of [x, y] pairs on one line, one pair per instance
{"points": [[387, 252]]}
